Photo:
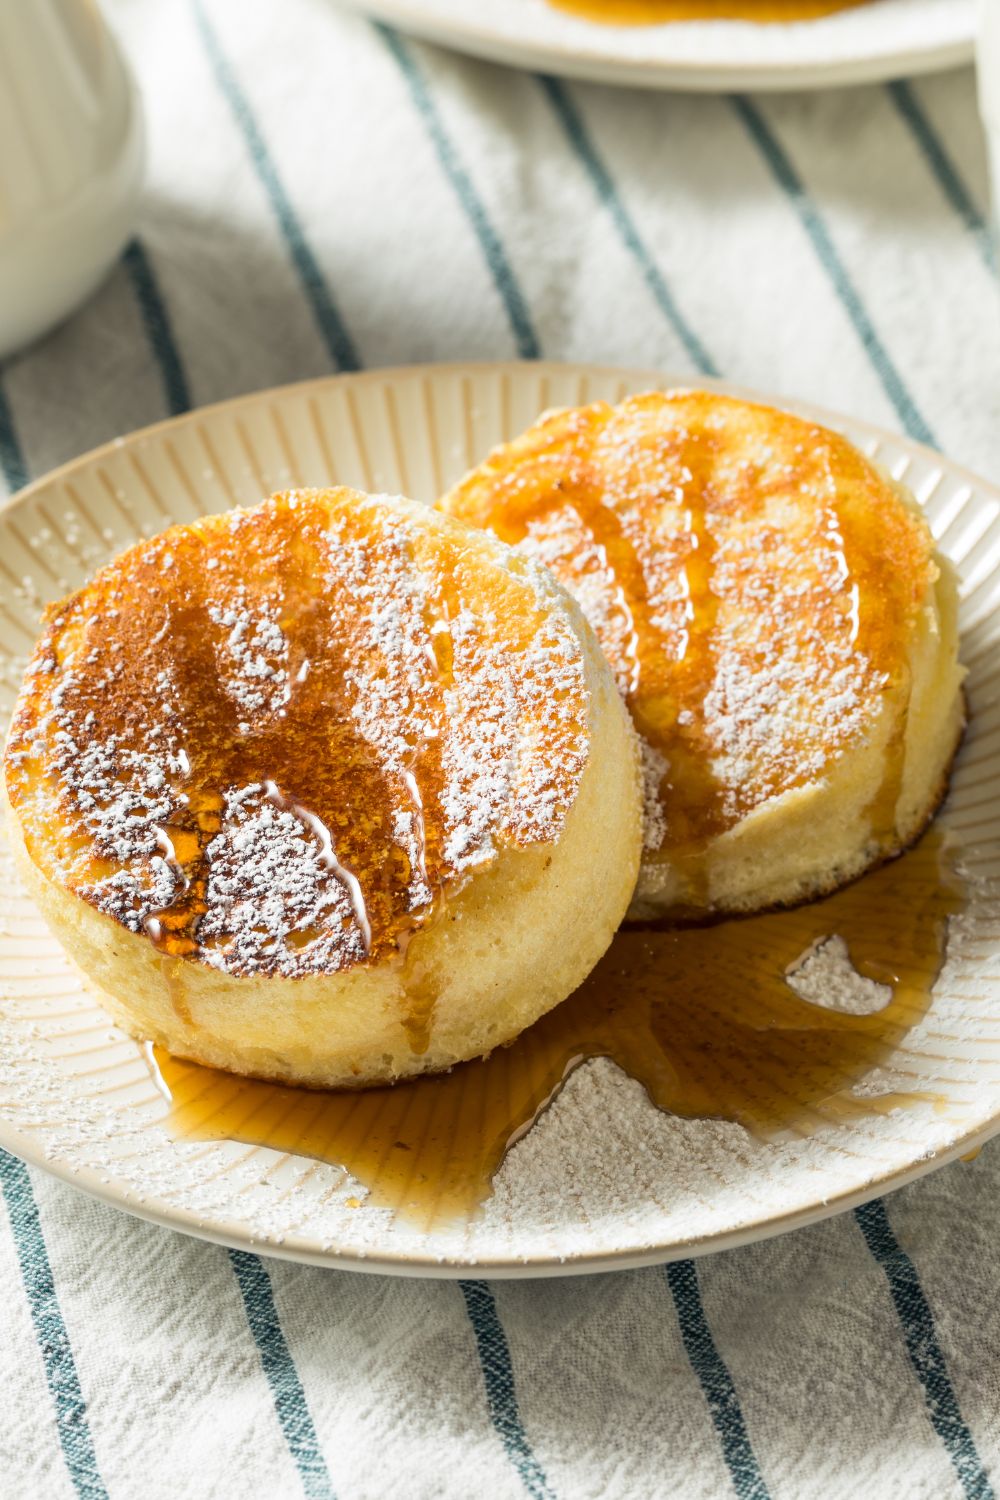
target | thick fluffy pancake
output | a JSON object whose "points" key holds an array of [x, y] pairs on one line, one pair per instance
{"points": [[776, 619], [334, 790]]}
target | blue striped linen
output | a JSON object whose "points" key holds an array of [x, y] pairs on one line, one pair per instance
{"points": [[12, 464], [360, 198]]}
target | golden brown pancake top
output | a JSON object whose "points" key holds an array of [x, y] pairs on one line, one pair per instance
{"points": [[270, 740], [751, 577]]}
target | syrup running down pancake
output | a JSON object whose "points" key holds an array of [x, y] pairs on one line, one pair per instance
{"points": [[333, 791], [776, 618]]}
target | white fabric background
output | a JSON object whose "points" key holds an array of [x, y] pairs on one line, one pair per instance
{"points": [[315, 185]]}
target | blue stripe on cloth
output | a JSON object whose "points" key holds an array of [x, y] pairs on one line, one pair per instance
{"points": [[282, 1376], [475, 210], [813, 224], [159, 332], [716, 1382], [583, 145], [15, 470], [943, 168], [50, 1330], [498, 1378], [331, 325], [926, 1355]]}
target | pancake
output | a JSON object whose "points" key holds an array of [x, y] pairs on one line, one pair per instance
{"points": [[776, 618], [335, 790]]}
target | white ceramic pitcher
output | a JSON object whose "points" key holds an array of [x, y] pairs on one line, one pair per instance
{"points": [[71, 156]]}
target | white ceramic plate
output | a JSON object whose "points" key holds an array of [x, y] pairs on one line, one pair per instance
{"points": [[881, 39], [603, 1179]]}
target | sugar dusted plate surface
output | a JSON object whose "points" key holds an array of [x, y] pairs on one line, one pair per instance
{"points": [[603, 1179], [877, 40]]}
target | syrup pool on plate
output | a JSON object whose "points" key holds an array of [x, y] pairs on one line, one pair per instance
{"points": [[653, 12], [704, 1017]]}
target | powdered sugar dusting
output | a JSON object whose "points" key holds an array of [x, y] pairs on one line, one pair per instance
{"points": [[789, 688], [270, 900], [253, 655], [561, 541], [824, 975], [654, 819]]}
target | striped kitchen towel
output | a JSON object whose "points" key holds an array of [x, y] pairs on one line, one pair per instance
{"points": [[324, 193]]}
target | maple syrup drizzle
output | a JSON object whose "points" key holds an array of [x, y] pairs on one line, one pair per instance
{"points": [[882, 811], [669, 654], [701, 1016], [651, 12], [353, 838]]}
